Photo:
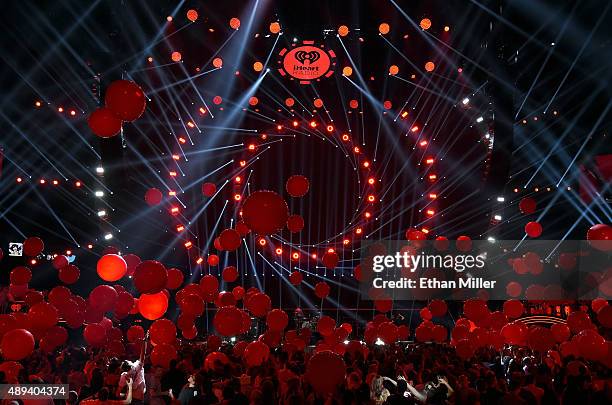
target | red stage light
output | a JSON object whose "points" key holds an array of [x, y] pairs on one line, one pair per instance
{"points": [[346, 242], [180, 228], [314, 256], [313, 124], [371, 180], [182, 140], [366, 164], [367, 214], [425, 230], [429, 161], [199, 260], [60, 109], [174, 210], [77, 183], [188, 244], [414, 128], [358, 231], [42, 181], [356, 149], [173, 174], [345, 137], [202, 110], [252, 147], [37, 103], [371, 198], [404, 114], [243, 163], [279, 251], [19, 179], [176, 157], [330, 128], [190, 124], [431, 213], [55, 182], [238, 179], [237, 197], [279, 127], [72, 112], [331, 250], [423, 143], [90, 246], [295, 256], [262, 242], [433, 196], [171, 193], [295, 123], [433, 177]]}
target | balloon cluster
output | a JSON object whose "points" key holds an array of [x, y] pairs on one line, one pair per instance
{"points": [[124, 101]]}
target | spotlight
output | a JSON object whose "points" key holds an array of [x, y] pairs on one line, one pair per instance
{"points": [[497, 217], [108, 236], [99, 193], [77, 184], [101, 213], [99, 170], [313, 124], [465, 101], [19, 179], [479, 119], [501, 199]]}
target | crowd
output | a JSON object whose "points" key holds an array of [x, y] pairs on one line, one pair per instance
{"points": [[404, 373]]}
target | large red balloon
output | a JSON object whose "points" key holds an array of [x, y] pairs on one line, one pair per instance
{"points": [[230, 239], [69, 274], [17, 344], [103, 298], [560, 332], [33, 246], [153, 197], [277, 320], [465, 348], [326, 325], [104, 123], [256, 353], [322, 289], [162, 331], [192, 304], [162, 354], [209, 284], [325, 371], [533, 229], [20, 275], [153, 306], [150, 277], [111, 267], [43, 315], [95, 334], [600, 237], [297, 185], [527, 205], [209, 189], [513, 309], [295, 223], [437, 308], [230, 274], [125, 99], [330, 260], [175, 279], [228, 321], [296, 278], [259, 304], [265, 212]]}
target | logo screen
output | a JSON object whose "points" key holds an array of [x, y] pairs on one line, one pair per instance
{"points": [[307, 62]]}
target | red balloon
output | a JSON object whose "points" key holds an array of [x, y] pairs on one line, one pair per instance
{"points": [[213, 260], [465, 348], [228, 321], [238, 292], [33, 246], [59, 262], [163, 354], [125, 99], [56, 335], [527, 205], [347, 327], [104, 123], [230, 274], [103, 298], [242, 228], [111, 267], [150, 277], [125, 303], [600, 237], [475, 309], [441, 243], [230, 239], [437, 308], [604, 316], [325, 371], [330, 260], [322, 289], [153, 197], [32, 298], [255, 353], [192, 305], [162, 331], [95, 334], [20, 275], [259, 304], [153, 306], [326, 325], [513, 309], [175, 279], [43, 315], [560, 332], [295, 223], [533, 229], [69, 274], [209, 284], [213, 359], [383, 304], [578, 321], [296, 278], [425, 314], [540, 339], [132, 261], [513, 289], [135, 333], [17, 344], [265, 212], [439, 333], [209, 189], [277, 320], [464, 243], [297, 185], [414, 235], [388, 332]]}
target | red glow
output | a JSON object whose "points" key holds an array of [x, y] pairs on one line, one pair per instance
{"points": [[331, 250], [433, 176], [295, 123], [366, 164], [55, 182], [182, 140], [33, 262], [243, 163], [19, 179], [404, 114], [251, 146], [188, 244], [173, 174], [90, 246], [433, 196], [171, 193], [237, 197], [190, 124], [176, 157], [180, 228], [60, 109], [371, 180], [262, 242], [414, 128], [279, 251], [37, 103], [42, 181], [430, 213], [174, 210], [199, 260], [77, 184], [346, 241], [330, 128], [295, 256], [359, 231], [238, 179], [72, 112], [429, 161], [314, 256], [279, 127], [423, 143], [345, 137], [425, 230], [356, 149], [368, 215], [313, 124], [371, 198]]}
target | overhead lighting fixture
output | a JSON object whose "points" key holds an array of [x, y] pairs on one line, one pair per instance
{"points": [[101, 213], [108, 236], [99, 170], [497, 217], [99, 193], [501, 199], [479, 119], [465, 101]]}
